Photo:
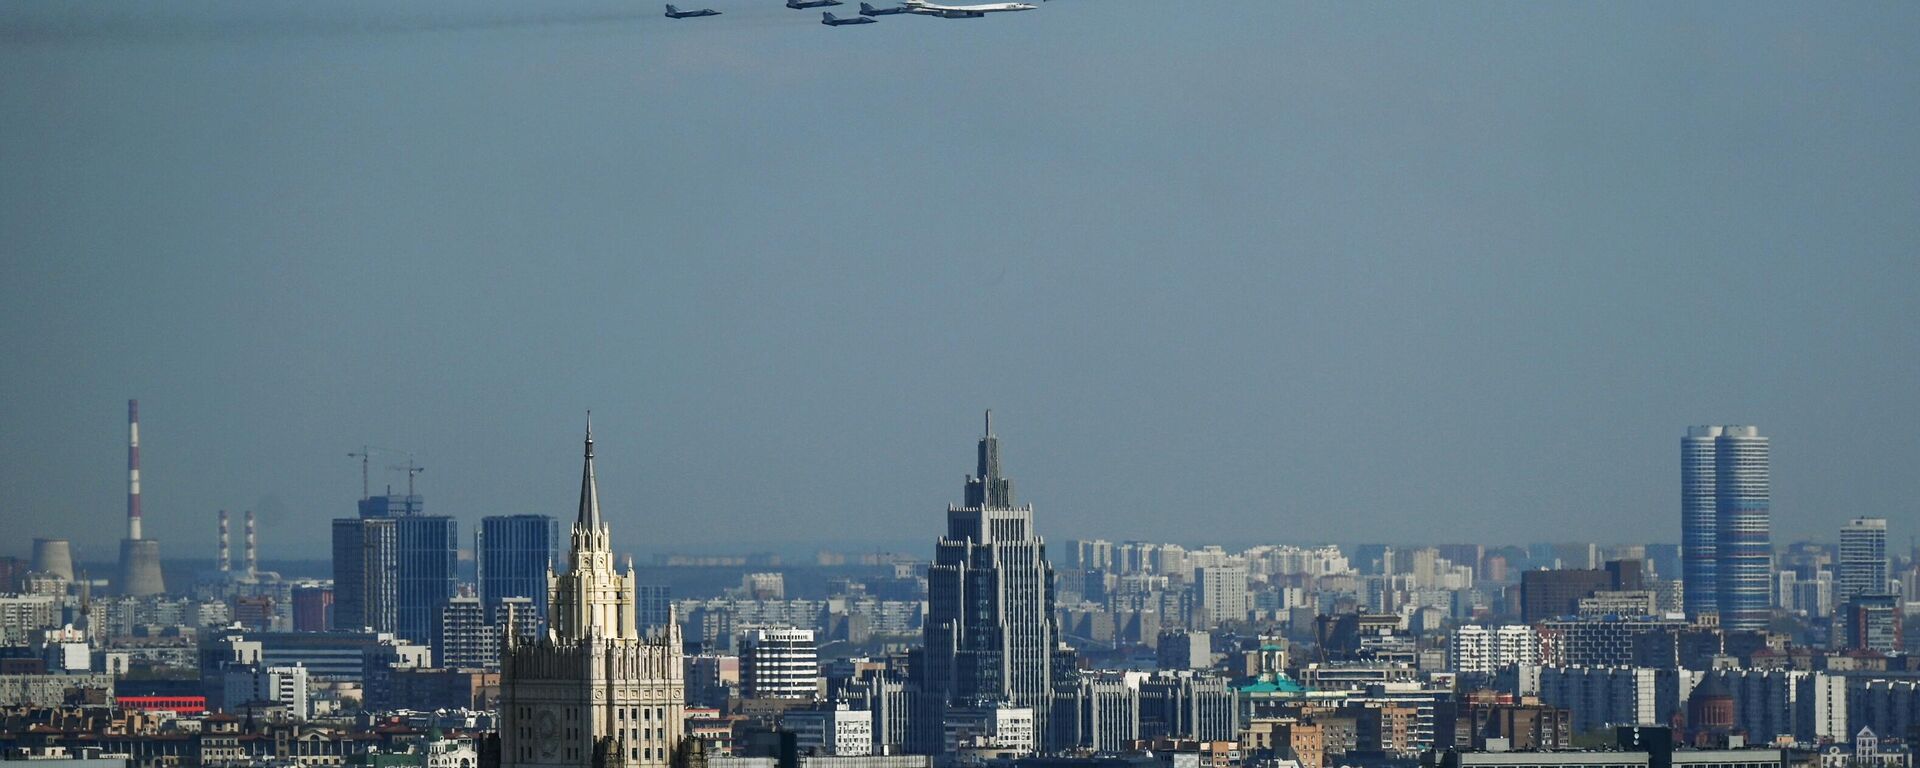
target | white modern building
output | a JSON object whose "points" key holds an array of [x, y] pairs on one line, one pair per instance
{"points": [[256, 684], [779, 664]]}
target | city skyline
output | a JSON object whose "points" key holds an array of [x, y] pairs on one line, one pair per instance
{"points": [[1338, 351], [1449, 270], [203, 543]]}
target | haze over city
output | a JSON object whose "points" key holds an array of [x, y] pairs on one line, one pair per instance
{"points": [[1224, 271]]}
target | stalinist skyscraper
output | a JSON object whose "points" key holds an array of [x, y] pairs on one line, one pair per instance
{"points": [[592, 692], [990, 634]]}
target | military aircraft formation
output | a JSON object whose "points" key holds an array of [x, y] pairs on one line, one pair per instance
{"points": [[869, 14]]}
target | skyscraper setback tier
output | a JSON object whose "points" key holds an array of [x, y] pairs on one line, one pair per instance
{"points": [[990, 633]]}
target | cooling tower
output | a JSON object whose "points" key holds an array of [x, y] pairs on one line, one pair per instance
{"points": [[53, 556], [140, 568]]}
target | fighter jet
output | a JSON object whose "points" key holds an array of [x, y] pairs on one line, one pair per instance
{"points": [[964, 11], [804, 4], [675, 13], [867, 9], [827, 18]]}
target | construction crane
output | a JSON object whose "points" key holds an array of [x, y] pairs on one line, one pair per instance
{"points": [[411, 469], [366, 452]]}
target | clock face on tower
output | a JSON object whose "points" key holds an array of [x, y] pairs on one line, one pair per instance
{"points": [[546, 729]]}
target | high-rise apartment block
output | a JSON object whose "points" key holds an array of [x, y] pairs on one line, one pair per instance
{"points": [[1221, 594], [1863, 558], [1474, 649], [990, 636], [1601, 697], [467, 640], [1726, 525]]}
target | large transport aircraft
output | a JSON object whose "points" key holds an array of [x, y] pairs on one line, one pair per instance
{"points": [[964, 11]]}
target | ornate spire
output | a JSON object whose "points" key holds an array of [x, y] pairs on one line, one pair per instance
{"points": [[989, 488], [589, 490]]}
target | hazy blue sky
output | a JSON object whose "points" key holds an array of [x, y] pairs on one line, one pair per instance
{"points": [[1228, 271]]}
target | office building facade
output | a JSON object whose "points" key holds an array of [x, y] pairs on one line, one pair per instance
{"points": [[1863, 558], [1699, 522], [1727, 554], [394, 567], [512, 557], [1873, 624], [779, 664], [1743, 540]]}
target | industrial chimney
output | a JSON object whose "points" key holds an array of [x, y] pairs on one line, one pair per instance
{"points": [[133, 470], [253, 549], [226, 552], [139, 557]]}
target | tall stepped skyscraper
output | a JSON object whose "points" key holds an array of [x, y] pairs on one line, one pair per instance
{"points": [[592, 692], [990, 633], [1726, 507]]}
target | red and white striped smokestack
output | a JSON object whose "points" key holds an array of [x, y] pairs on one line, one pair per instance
{"points": [[133, 469], [253, 551], [226, 554]]}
